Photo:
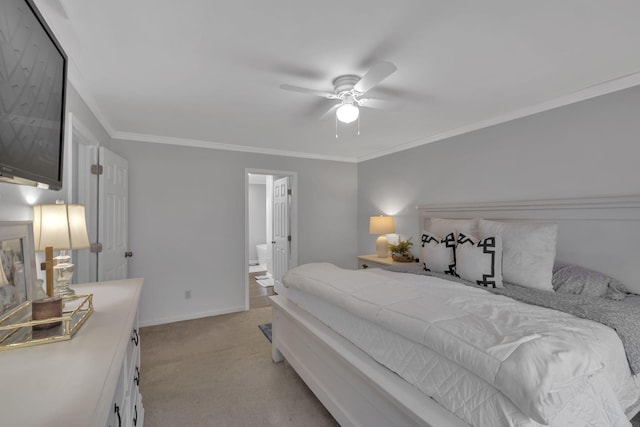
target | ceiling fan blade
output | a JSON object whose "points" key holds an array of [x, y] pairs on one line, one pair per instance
{"points": [[327, 95], [330, 112], [375, 75], [379, 104]]}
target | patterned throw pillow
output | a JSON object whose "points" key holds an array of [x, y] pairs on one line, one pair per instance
{"points": [[438, 254], [480, 261]]}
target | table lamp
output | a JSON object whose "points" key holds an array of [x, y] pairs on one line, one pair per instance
{"points": [[59, 227], [382, 225]]}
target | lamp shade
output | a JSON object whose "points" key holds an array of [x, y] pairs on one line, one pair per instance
{"points": [[60, 226], [381, 225]]}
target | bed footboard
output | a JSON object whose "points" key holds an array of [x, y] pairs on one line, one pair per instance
{"points": [[353, 387]]}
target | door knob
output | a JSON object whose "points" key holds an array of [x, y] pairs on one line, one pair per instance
{"points": [[128, 254]]}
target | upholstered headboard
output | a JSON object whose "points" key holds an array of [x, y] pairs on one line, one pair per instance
{"points": [[602, 234]]}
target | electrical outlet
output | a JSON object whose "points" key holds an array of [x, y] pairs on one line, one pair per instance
{"points": [[187, 294]]}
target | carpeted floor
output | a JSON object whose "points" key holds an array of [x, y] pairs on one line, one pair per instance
{"points": [[217, 371], [259, 295]]}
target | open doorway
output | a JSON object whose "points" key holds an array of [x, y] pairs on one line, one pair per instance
{"points": [[270, 233]]}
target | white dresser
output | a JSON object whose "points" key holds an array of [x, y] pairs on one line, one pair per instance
{"points": [[90, 380]]}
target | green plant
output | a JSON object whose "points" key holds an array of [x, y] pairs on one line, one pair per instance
{"points": [[402, 247]]}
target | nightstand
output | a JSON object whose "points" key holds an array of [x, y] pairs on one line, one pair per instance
{"points": [[374, 261]]}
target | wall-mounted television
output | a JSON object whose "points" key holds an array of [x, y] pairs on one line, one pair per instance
{"points": [[33, 77]]}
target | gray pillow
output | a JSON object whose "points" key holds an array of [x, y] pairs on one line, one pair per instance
{"points": [[573, 279], [528, 251]]}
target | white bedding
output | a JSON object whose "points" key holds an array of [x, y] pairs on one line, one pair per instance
{"points": [[482, 356]]}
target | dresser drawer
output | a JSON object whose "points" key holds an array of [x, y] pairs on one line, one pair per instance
{"points": [[116, 410], [133, 346], [137, 414]]}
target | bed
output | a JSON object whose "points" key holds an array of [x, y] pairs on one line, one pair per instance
{"points": [[361, 383]]}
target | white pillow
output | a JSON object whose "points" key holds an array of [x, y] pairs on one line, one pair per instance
{"points": [[444, 226], [528, 251], [480, 261], [438, 254]]}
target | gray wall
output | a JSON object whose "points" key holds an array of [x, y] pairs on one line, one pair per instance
{"points": [[591, 148], [187, 225]]}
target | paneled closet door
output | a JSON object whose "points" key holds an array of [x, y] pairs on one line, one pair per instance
{"points": [[281, 233], [113, 197]]}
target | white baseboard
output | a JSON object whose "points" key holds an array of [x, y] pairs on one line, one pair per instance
{"points": [[189, 316]]}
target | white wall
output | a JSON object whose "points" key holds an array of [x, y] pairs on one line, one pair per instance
{"points": [[591, 148], [257, 218], [187, 225]]}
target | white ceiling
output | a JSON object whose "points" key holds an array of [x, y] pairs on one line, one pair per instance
{"points": [[208, 73]]}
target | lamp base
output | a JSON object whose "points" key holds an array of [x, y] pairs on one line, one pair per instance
{"points": [[63, 273], [63, 290], [382, 246]]}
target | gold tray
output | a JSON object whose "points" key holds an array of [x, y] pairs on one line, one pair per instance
{"points": [[16, 327]]}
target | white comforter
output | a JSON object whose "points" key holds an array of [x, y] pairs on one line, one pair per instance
{"points": [[538, 358]]}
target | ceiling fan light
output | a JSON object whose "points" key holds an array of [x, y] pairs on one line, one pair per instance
{"points": [[347, 113]]}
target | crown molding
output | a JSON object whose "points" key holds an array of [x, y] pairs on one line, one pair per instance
{"points": [[129, 136]]}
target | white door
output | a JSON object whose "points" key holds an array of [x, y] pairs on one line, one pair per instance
{"points": [[87, 265], [269, 225], [281, 234], [113, 196], [84, 147]]}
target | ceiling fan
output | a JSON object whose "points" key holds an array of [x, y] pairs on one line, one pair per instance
{"points": [[349, 89]]}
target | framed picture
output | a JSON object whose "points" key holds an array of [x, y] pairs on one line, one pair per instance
{"points": [[17, 264]]}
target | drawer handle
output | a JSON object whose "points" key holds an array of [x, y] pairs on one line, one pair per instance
{"points": [[135, 337], [116, 409], [135, 417], [137, 377]]}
